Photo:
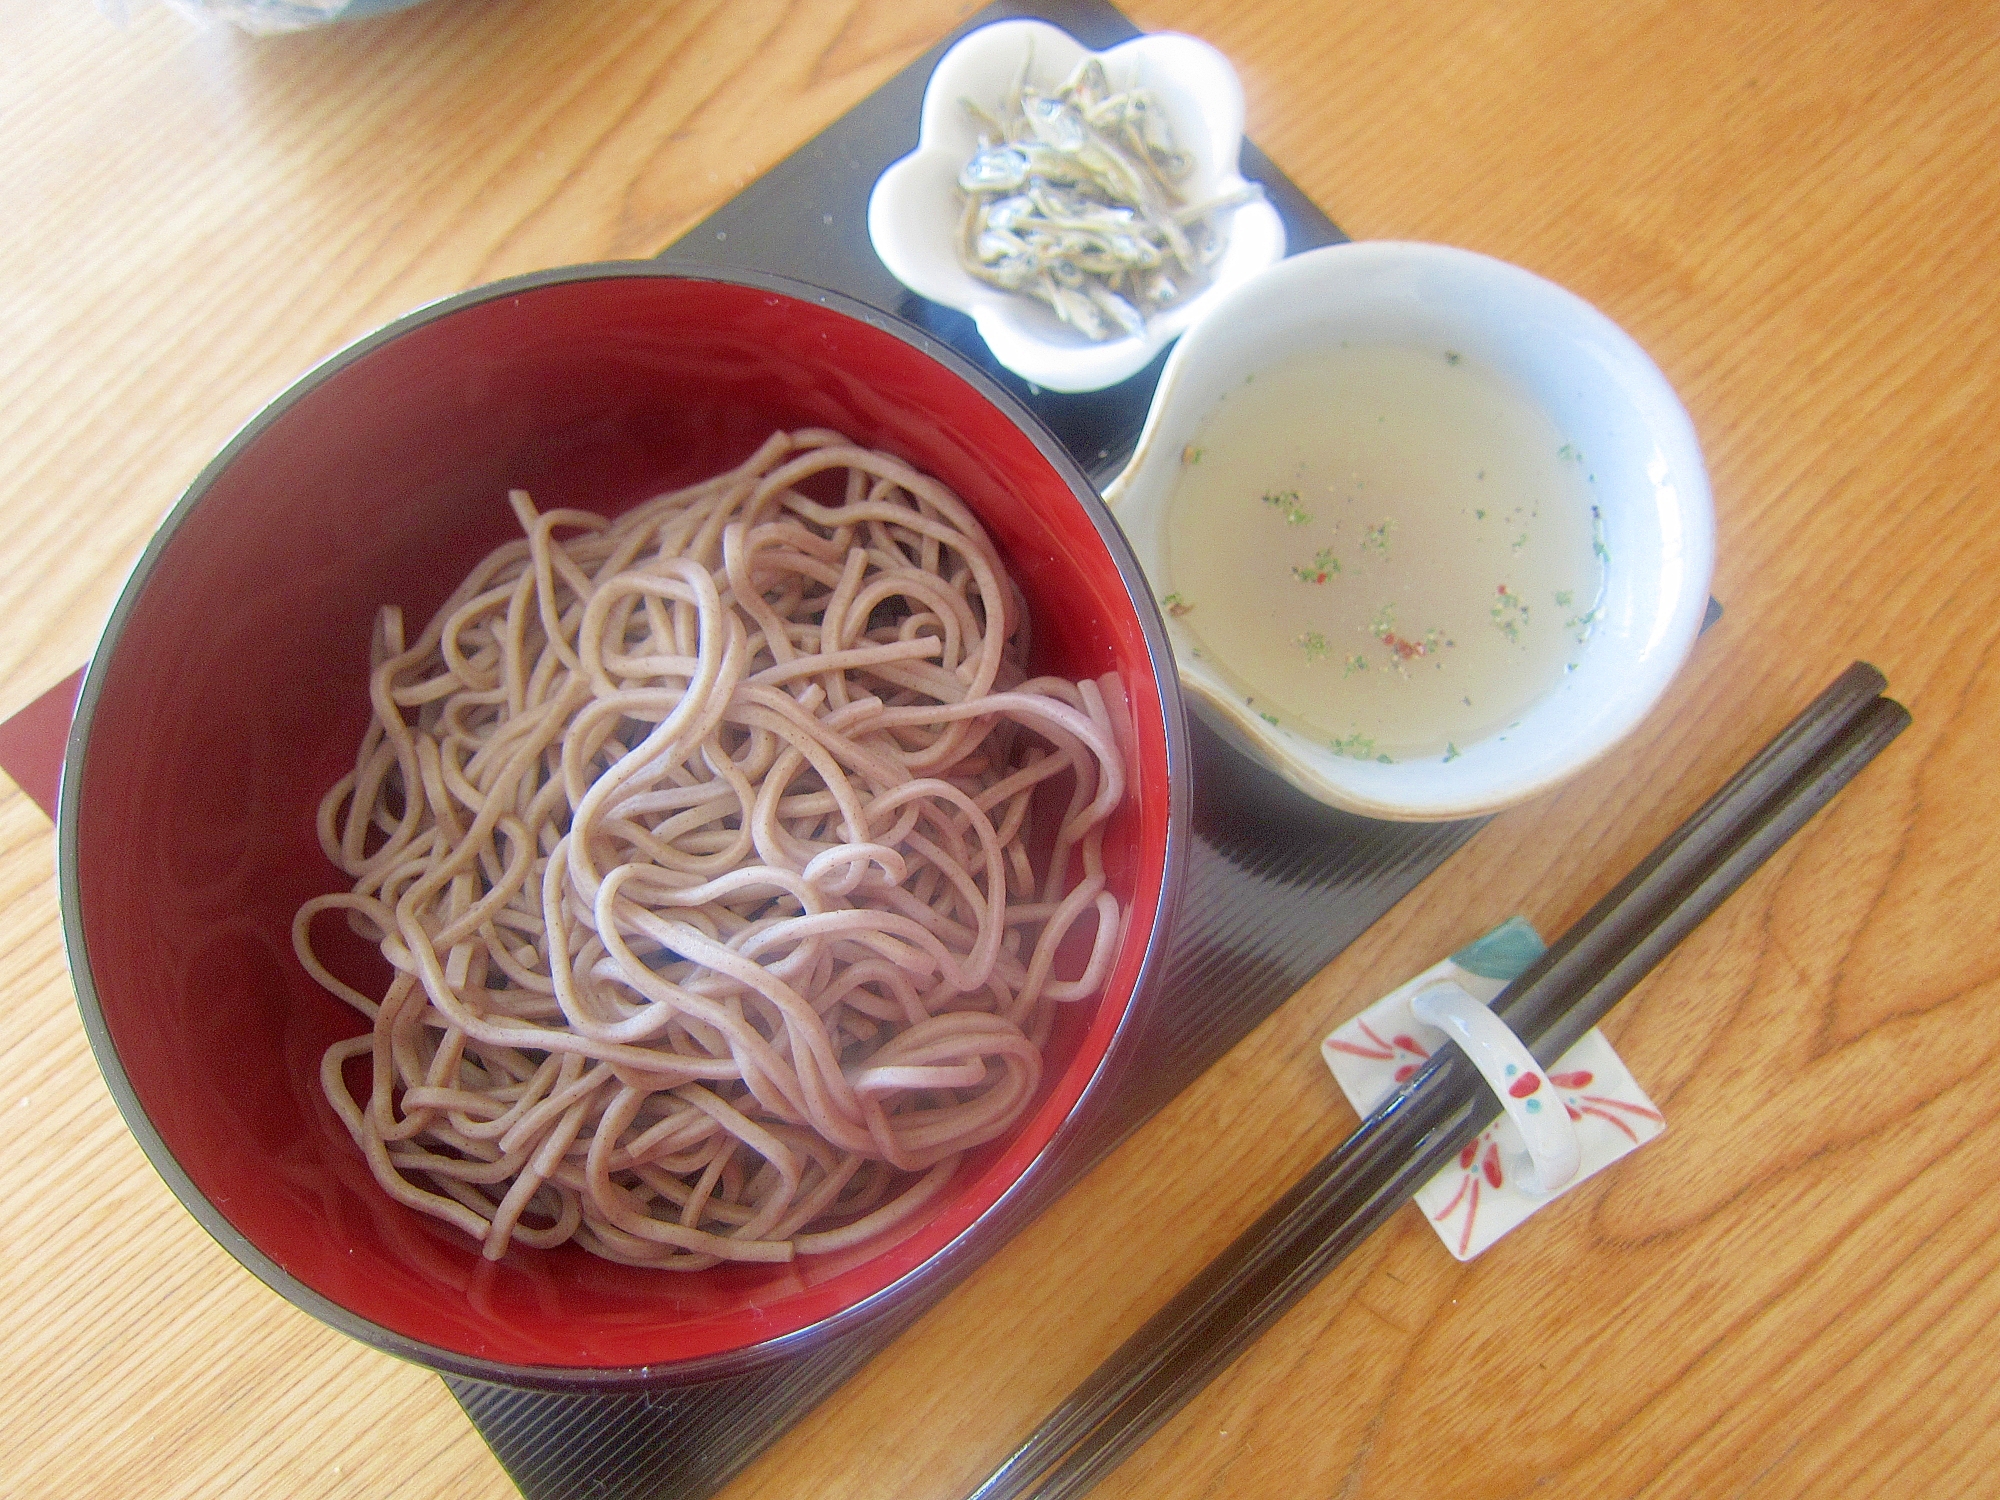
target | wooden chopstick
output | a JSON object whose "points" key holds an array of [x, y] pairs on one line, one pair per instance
{"points": [[1535, 1002], [1413, 1134]]}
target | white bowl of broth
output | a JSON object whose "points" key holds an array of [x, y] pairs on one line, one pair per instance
{"points": [[1431, 533]]}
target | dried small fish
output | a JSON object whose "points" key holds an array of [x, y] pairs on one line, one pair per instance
{"points": [[1075, 197], [994, 169]]}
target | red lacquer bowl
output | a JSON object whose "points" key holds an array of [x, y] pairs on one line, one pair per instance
{"points": [[230, 689]]}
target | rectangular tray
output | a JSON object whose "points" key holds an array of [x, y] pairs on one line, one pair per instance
{"points": [[1277, 884]]}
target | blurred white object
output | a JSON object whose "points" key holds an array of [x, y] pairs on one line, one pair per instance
{"points": [[913, 214], [264, 17]]}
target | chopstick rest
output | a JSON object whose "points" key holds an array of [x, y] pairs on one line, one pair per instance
{"points": [[1516, 1079], [1494, 1183]]}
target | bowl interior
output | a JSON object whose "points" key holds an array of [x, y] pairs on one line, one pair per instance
{"points": [[231, 690]]}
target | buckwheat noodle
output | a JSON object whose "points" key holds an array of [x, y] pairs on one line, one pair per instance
{"points": [[697, 843]]}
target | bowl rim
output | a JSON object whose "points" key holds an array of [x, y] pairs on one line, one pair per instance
{"points": [[928, 1279]]}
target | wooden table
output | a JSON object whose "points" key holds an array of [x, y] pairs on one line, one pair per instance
{"points": [[1791, 205]]}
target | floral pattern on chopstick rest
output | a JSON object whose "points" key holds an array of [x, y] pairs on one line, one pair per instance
{"points": [[1489, 1188]]}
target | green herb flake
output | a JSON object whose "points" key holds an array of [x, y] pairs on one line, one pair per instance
{"points": [[1450, 752], [1355, 662], [1355, 746], [1581, 625], [1377, 538], [1452, 356], [1176, 605], [1323, 566], [1287, 502], [1312, 643]]}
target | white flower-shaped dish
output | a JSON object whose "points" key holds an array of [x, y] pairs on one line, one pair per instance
{"points": [[913, 213]]}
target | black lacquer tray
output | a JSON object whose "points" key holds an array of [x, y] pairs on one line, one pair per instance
{"points": [[1277, 884]]}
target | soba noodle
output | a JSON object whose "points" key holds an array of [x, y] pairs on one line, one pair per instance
{"points": [[698, 844]]}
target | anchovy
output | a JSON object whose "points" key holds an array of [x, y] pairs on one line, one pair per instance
{"points": [[1074, 197]]}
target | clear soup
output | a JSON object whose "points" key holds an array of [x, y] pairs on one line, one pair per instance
{"points": [[1390, 550]]}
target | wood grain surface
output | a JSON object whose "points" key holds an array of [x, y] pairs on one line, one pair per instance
{"points": [[1790, 205]]}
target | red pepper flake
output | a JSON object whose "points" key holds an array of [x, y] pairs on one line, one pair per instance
{"points": [[1405, 649]]}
